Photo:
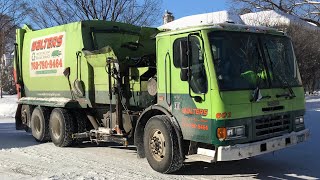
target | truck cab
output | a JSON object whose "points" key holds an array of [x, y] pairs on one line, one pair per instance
{"points": [[235, 90]]}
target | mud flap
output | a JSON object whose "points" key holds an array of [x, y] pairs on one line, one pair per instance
{"points": [[19, 125]]}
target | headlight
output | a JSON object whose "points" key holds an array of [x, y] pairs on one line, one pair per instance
{"points": [[235, 132], [231, 133], [299, 120]]}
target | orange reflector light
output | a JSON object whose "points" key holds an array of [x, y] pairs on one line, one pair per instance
{"points": [[222, 133], [218, 115]]}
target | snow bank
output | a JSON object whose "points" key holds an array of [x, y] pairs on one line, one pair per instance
{"points": [[273, 18], [313, 99], [8, 105], [203, 19], [313, 103]]}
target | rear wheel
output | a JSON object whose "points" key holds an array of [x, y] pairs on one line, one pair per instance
{"points": [[40, 124], [161, 145], [61, 127]]}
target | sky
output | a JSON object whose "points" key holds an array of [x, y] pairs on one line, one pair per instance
{"points": [[181, 8]]}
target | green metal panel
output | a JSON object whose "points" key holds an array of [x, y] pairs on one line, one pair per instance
{"points": [[46, 53], [35, 78], [194, 117]]}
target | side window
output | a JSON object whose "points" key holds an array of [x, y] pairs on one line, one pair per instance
{"points": [[198, 80], [176, 51]]}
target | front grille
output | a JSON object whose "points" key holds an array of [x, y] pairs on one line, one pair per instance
{"points": [[272, 126]]}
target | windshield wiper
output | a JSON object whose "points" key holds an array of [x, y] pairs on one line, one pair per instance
{"points": [[257, 96], [286, 95]]}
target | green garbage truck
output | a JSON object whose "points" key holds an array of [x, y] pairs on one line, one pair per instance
{"points": [[217, 92]]}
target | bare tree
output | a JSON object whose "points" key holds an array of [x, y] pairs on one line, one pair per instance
{"points": [[306, 10], [12, 13], [306, 45], [47, 13]]}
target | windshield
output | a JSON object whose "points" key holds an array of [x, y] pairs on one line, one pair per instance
{"points": [[281, 61], [250, 60]]}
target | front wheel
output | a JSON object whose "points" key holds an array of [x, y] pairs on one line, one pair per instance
{"points": [[161, 145]]}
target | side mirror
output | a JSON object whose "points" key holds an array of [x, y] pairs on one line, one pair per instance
{"points": [[183, 46], [66, 72]]}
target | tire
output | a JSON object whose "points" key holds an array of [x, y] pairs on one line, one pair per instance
{"points": [[61, 127], [40, 124], [80, 121], [161, 145], [26, 113]]}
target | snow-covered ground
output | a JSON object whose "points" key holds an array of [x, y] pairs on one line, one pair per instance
{"points": [[8, 105], [23, 158]]}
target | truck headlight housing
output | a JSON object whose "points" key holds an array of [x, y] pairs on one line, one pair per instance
{"points": [[231, 133], [235, 132], [299, 120]]}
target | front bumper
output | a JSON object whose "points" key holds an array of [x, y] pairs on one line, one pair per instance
{"points": [[242, 151]]}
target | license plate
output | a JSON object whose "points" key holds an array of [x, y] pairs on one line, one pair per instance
{"points": [[300, 138]]}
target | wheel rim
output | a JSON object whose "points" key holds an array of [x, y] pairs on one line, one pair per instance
{"points": [[37, 124], [56, 131], [157, 145]]}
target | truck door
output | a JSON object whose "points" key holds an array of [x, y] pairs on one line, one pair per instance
{"points": [[190, 100]]}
